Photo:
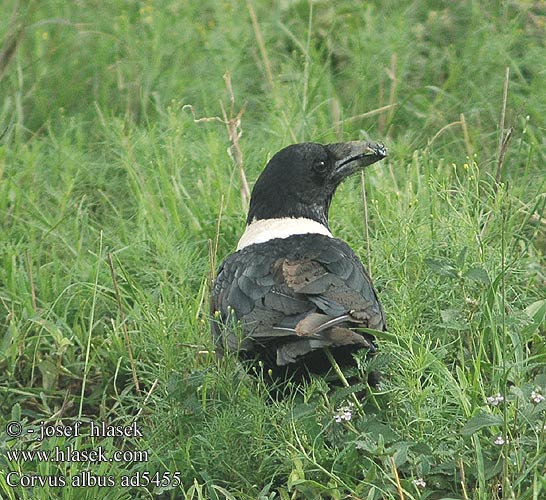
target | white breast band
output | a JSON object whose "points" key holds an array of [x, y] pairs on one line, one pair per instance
{"points": [[264, 230]]}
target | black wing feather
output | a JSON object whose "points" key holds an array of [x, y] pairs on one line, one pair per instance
{"points": [[272, 287]]}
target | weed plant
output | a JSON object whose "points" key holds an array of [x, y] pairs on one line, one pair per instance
{"points": [[127, 129]]}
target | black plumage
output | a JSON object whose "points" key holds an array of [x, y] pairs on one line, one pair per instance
{"points": [[292, 289]]}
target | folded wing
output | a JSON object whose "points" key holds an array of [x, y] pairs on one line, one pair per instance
{"points": [[287, 300]]}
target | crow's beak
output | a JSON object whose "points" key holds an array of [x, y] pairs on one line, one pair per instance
{"points": [[353, 156]]}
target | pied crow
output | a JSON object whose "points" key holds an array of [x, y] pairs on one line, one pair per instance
{"points": [[291, 288]]}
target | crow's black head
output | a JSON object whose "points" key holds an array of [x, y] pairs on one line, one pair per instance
{"points": [[300, 180]]}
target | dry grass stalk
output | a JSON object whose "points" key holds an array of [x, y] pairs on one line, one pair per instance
{"points": [[335, 110], [503, 108], [152, 388], [366, 223], [16, 32], [232, 123], [233, 126], [382, 119], [397, 479], [463, 479], [502, 153], [261, 44], [442, 130], [386, 118], [462, 122], [467, 143], [378, 111], [391, 72], [267, 66], [31, 280], [504, 139], [123, 323], [213, 246]]}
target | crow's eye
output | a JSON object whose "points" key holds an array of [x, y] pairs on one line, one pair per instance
{"points": [[320, 166]]}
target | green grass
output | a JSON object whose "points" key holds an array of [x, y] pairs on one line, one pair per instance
{"points": [[101, 160]]}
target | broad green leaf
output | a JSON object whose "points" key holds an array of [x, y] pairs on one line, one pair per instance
{"points": [[461, 258], [442, 267], [478, 274], [16, 412], [479, 422], [451, 318], [537, 311]]}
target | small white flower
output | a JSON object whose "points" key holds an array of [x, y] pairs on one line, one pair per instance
{"points": [[536, 397], [495, 400], [420, 482], [499, 441], [345, 413]]}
